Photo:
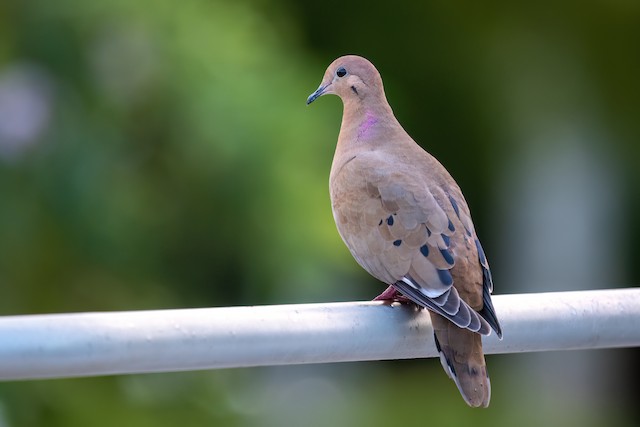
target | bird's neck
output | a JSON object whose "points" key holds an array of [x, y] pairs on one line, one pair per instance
{"points": [[365, 127], [366, 123]]}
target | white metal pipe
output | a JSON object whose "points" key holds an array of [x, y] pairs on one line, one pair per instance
{"points": [[85, 344]]}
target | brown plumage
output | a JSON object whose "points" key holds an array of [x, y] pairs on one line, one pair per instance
{"points": [[405, 221]]}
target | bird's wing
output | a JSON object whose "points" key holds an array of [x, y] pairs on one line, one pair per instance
{"points": [[410, 232]]}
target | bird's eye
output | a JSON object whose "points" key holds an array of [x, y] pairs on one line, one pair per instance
{"points": [[341, 72]]}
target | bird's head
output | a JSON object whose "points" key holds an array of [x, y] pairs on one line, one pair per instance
{"points": [[352, 78]]}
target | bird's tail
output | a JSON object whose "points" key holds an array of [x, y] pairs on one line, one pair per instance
{"points": [[462, 359]]}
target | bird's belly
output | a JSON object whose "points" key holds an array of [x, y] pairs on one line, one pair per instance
{"points": [[357, 216]]}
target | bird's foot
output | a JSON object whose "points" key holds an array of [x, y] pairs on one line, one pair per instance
{"points": [[391, 295]]}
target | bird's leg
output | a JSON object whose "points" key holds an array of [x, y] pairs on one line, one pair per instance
{"points": [[389, 294], [392, 295]]}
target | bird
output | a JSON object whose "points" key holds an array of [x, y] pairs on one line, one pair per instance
{"points": [[405, 221]]}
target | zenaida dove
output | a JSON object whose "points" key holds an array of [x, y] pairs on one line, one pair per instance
{"points": [[406, 222]]}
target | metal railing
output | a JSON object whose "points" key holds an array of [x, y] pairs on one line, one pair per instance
{"points": [[87, 344]]}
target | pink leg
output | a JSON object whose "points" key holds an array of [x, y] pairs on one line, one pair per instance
{"points": [[391, 295]]}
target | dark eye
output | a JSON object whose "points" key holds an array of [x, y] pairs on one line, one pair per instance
{"points": [[341, 72]]}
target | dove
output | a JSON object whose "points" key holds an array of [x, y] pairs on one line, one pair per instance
{"points": [[405, 221]]}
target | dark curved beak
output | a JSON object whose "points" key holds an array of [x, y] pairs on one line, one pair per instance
{"points": [[318, 93]]}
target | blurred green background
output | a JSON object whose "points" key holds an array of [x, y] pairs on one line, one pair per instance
{"points": [[158, 154]]}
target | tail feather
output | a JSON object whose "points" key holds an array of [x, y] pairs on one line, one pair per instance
{"points": [[462, 359]]}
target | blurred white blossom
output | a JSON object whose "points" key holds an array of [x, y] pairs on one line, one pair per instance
{"points": [[25, 108]]}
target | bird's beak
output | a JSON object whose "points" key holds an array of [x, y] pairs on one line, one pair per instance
{"points": [[318, 93]]}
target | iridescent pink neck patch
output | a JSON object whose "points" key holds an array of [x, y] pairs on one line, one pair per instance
{"points": [[365, 127]]}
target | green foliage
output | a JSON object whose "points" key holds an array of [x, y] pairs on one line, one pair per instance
{"points": [[179, 156]]}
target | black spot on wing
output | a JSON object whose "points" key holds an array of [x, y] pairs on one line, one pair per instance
{"points": [[445, 277], [390, 220], [454, 204], [397, 242], [446, 239], [424, 250], [446, 254], [456, 209], [451, 227]]}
